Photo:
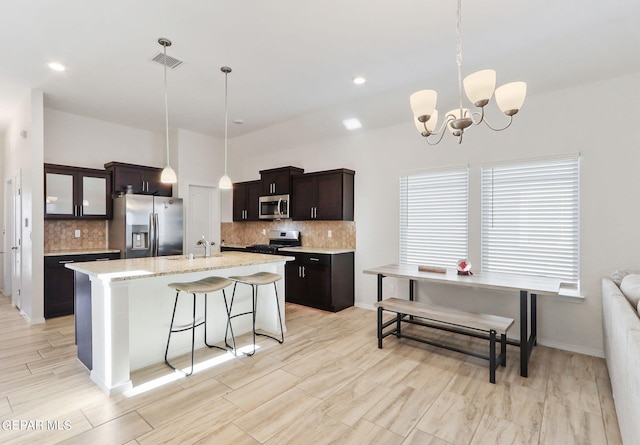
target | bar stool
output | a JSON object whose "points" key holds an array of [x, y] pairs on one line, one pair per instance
{"points": [[204, 286], [255, 280]]}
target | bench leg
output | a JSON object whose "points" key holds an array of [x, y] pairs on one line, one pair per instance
{"points": [[503, 349], [492, 356], [398, 324], [379, 328]]}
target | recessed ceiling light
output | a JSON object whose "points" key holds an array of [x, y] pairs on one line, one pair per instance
{"points": [[56, 66], [351, 124], [359, 80]]}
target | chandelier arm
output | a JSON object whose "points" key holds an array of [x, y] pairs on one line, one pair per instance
{"points": [[479, 114], [441, 133], [498, 129], [439, 130]]}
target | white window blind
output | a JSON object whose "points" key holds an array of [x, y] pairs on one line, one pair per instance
{"points": [[434, 217], [530, 218]]}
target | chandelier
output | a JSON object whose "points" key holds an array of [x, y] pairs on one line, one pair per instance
{"points": [[479, 88]]}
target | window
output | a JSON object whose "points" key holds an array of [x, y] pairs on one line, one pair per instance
{"points": [[434, 217], [530, 218]]}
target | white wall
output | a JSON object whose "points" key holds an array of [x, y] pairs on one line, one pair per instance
{"points": [[586, 119], [23, 152], [3, 223], [200, 162], [84, 142]]}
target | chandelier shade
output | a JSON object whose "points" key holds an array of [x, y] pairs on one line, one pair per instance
{"points": [[510, 97], [423, 103], [430, 125], [479, 87]]}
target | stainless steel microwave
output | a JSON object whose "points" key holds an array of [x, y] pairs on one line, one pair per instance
{"points": [[274, 207]]}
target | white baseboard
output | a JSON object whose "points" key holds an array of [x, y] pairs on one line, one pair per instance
{"points": [[572, 348]]}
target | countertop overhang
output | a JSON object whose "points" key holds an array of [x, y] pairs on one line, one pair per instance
{"points": [[79, 252], [136, 268], [301, 249]]}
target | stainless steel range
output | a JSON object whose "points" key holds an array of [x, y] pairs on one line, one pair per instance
{"points": [[277, 240]]}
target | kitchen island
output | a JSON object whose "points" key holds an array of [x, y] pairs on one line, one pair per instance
{"points": [[123, 309]]}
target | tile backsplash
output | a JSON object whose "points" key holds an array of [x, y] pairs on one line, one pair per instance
{"points": [[60, 235], [312, 233]]}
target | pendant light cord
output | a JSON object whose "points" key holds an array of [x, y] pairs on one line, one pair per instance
{"points": [[166, 102], [226, 124]]}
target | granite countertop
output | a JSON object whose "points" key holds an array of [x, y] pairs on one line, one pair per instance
{"points": [[302, 249], [318, 250], [131, 269], [79, 252]]}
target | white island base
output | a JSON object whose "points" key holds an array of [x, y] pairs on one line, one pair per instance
{"points": [[131, 307]]}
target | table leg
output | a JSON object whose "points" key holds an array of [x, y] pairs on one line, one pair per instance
{"points": [[411, 298], [380, 277], [411, 290], [524, 335], [534, 321]]}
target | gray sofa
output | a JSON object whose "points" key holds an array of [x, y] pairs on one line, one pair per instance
{"points": [[621, 325]]}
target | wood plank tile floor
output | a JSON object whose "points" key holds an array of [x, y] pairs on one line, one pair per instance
{"points": [[327, 384]]}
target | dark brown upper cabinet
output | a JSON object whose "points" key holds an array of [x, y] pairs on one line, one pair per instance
{"points": [[76, 193], [140, 178], [326, 195], [277, 181], [245, 200]]}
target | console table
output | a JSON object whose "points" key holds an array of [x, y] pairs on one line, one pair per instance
{"points": [[527, 286]]}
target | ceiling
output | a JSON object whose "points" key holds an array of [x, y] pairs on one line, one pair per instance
{"points": [[292, 58]]}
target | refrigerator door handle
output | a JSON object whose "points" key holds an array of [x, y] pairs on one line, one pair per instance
{"points": [[157, 234], [152, 235]]}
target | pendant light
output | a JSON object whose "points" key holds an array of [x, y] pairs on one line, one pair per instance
{"points": [[168, 175], [225, 181]]}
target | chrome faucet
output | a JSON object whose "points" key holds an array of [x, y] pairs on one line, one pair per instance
{"points": [[207, 246]]}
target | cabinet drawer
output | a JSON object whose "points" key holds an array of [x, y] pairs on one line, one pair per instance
{"points": [[306, 259]]}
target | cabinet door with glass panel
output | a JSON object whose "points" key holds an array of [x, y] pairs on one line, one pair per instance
{"points": [[76, 193]]}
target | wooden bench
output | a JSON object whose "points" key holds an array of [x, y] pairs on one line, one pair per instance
{"points": [[452, 320]]}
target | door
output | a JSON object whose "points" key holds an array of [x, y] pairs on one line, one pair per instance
{"points": [[7, 225], [168, 225], [203, 218], [16, 248]]}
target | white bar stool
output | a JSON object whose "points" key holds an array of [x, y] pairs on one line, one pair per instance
{"points": [[255, 280], [204, 286]]}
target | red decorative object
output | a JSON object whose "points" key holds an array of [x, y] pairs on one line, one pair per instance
{"points": [[464, 267]]}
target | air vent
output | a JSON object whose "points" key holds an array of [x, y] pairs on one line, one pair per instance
{"points": [[171, 61]]}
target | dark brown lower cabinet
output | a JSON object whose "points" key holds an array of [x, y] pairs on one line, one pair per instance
{"points": [[58, 281], [67, 292], [322, 281]]}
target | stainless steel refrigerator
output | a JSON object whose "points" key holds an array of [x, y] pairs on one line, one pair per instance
{"points": [[145, 225]]}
